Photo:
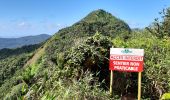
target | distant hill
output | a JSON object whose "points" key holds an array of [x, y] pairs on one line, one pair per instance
{"points": [[19, 42]]}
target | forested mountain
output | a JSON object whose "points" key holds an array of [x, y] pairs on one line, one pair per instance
{"points": [[19, 42], [73, 64]]}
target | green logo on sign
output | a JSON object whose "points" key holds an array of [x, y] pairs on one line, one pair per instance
{"points": [[126, 51]]}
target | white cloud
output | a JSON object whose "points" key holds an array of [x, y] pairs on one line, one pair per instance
{"points": [[22, 24], [134, 24]]}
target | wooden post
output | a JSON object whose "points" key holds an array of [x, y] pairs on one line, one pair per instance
{"points": [[139, 85], [111, 83]]}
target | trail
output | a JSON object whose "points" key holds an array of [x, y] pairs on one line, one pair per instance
{"points": [[36, 56]]}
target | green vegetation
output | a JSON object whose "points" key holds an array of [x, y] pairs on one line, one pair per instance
{"points": [[4, 53], [73, 64], [12, 64], [165, 96], [157, 56]]}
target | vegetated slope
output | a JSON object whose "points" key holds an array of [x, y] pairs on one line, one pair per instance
{"points": [[19, 42], [39, 52], [98, 20], [75, 49], [4, 53], [57, 47], [74, 63], [12, 60]]}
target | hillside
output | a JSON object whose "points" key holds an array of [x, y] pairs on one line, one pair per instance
{"points": [[5, 53], [96, 21], [73, 64], [19, 42], [13, 60]]}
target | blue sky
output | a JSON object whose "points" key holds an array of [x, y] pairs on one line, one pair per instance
{"points": [[31, 17]]}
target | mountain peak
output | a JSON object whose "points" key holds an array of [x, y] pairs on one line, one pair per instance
{"points": [[99, 11], [98, 15], [103, 22]]}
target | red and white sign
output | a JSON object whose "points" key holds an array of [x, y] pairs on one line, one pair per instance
{"points": [[124, 59]]}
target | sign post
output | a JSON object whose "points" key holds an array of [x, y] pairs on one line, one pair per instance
{"points": [[111, 83], [126, 60], [139, 85]]}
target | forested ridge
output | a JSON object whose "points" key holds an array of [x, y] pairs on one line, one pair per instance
{"points": [[74, 62]]}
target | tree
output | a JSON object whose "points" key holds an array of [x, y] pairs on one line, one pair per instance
{"points": [[161, 28]]}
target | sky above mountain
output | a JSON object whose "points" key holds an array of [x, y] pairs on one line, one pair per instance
{"points": [[31, 17]]}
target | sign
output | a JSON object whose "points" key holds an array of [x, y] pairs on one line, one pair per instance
{"points": [[124, 59], [129, 60]]}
